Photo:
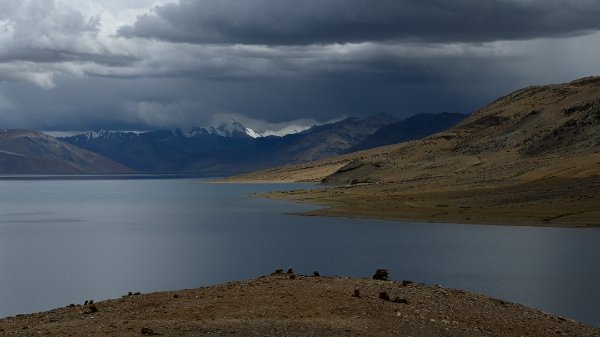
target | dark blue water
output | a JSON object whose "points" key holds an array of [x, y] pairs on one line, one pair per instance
{"points": [[65, 241]]}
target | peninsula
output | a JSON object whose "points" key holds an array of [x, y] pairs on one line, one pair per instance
{"points": [[529, 158]]}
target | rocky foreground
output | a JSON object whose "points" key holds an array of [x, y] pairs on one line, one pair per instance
{"points": [[292, 305]]}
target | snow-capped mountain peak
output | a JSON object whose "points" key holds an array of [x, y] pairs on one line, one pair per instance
{"points": [[288, 130], [230, 128], [253, 133], [233, 128]]}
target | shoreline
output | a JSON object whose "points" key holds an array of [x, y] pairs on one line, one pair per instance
{"points": [[326, 212], [297, 305], [564, 204], [334, 212]]}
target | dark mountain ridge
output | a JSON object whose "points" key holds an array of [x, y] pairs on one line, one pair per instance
{"points": [[227, 149], [415, 127]]}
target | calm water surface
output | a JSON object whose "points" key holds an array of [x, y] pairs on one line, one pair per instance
{"points": [[65, 241]]}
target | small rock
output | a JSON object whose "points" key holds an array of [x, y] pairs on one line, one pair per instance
{"points": [[381, 274], [290, 270], [148, 332], [278, 271], [400, 300], [384, 296], [356, 293], [406, 282], [292, 277], [316, 274]]}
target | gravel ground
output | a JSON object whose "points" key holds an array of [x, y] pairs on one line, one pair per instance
{"points": [[292, 305]]}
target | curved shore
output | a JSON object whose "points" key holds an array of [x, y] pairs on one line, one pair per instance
{"points": [[292, 305]]}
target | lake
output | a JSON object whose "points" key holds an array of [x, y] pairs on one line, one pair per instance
{"points": [[66, 241]]}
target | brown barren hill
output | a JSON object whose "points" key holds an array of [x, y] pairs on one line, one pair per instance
{"points": [[529, 158], [286, 305], [33, 152]]}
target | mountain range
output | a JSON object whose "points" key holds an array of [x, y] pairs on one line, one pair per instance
{"points": [[231, 147], [226, 147]]}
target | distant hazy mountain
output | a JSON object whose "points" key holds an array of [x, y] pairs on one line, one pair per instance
{"points": [[33, 152], [226, 147], [233, 147], [327, 140], [157, 151], [415, 127]]}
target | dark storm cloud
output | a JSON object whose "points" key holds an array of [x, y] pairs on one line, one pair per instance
{"points": [[47, 55], [399, 88], [63, 66], [294, 22]]}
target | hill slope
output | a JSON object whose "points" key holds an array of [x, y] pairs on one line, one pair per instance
{"points": [[303, 306], [532, 157], [33, 152]]}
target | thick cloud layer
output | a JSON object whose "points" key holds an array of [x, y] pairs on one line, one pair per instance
{"points": [[42, 38], [145, 64], [292, 22]]}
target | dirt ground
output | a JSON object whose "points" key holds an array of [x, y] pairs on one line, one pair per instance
{"points": [[286, 305]]}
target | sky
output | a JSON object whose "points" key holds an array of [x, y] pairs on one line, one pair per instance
{"points": [[155, 64]]}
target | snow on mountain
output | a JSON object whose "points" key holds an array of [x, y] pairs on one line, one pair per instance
{"points": [[253, 133], [93, 135], [88, 134], [233, 128], [103, 134], [288, 130], [230, 128]]}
